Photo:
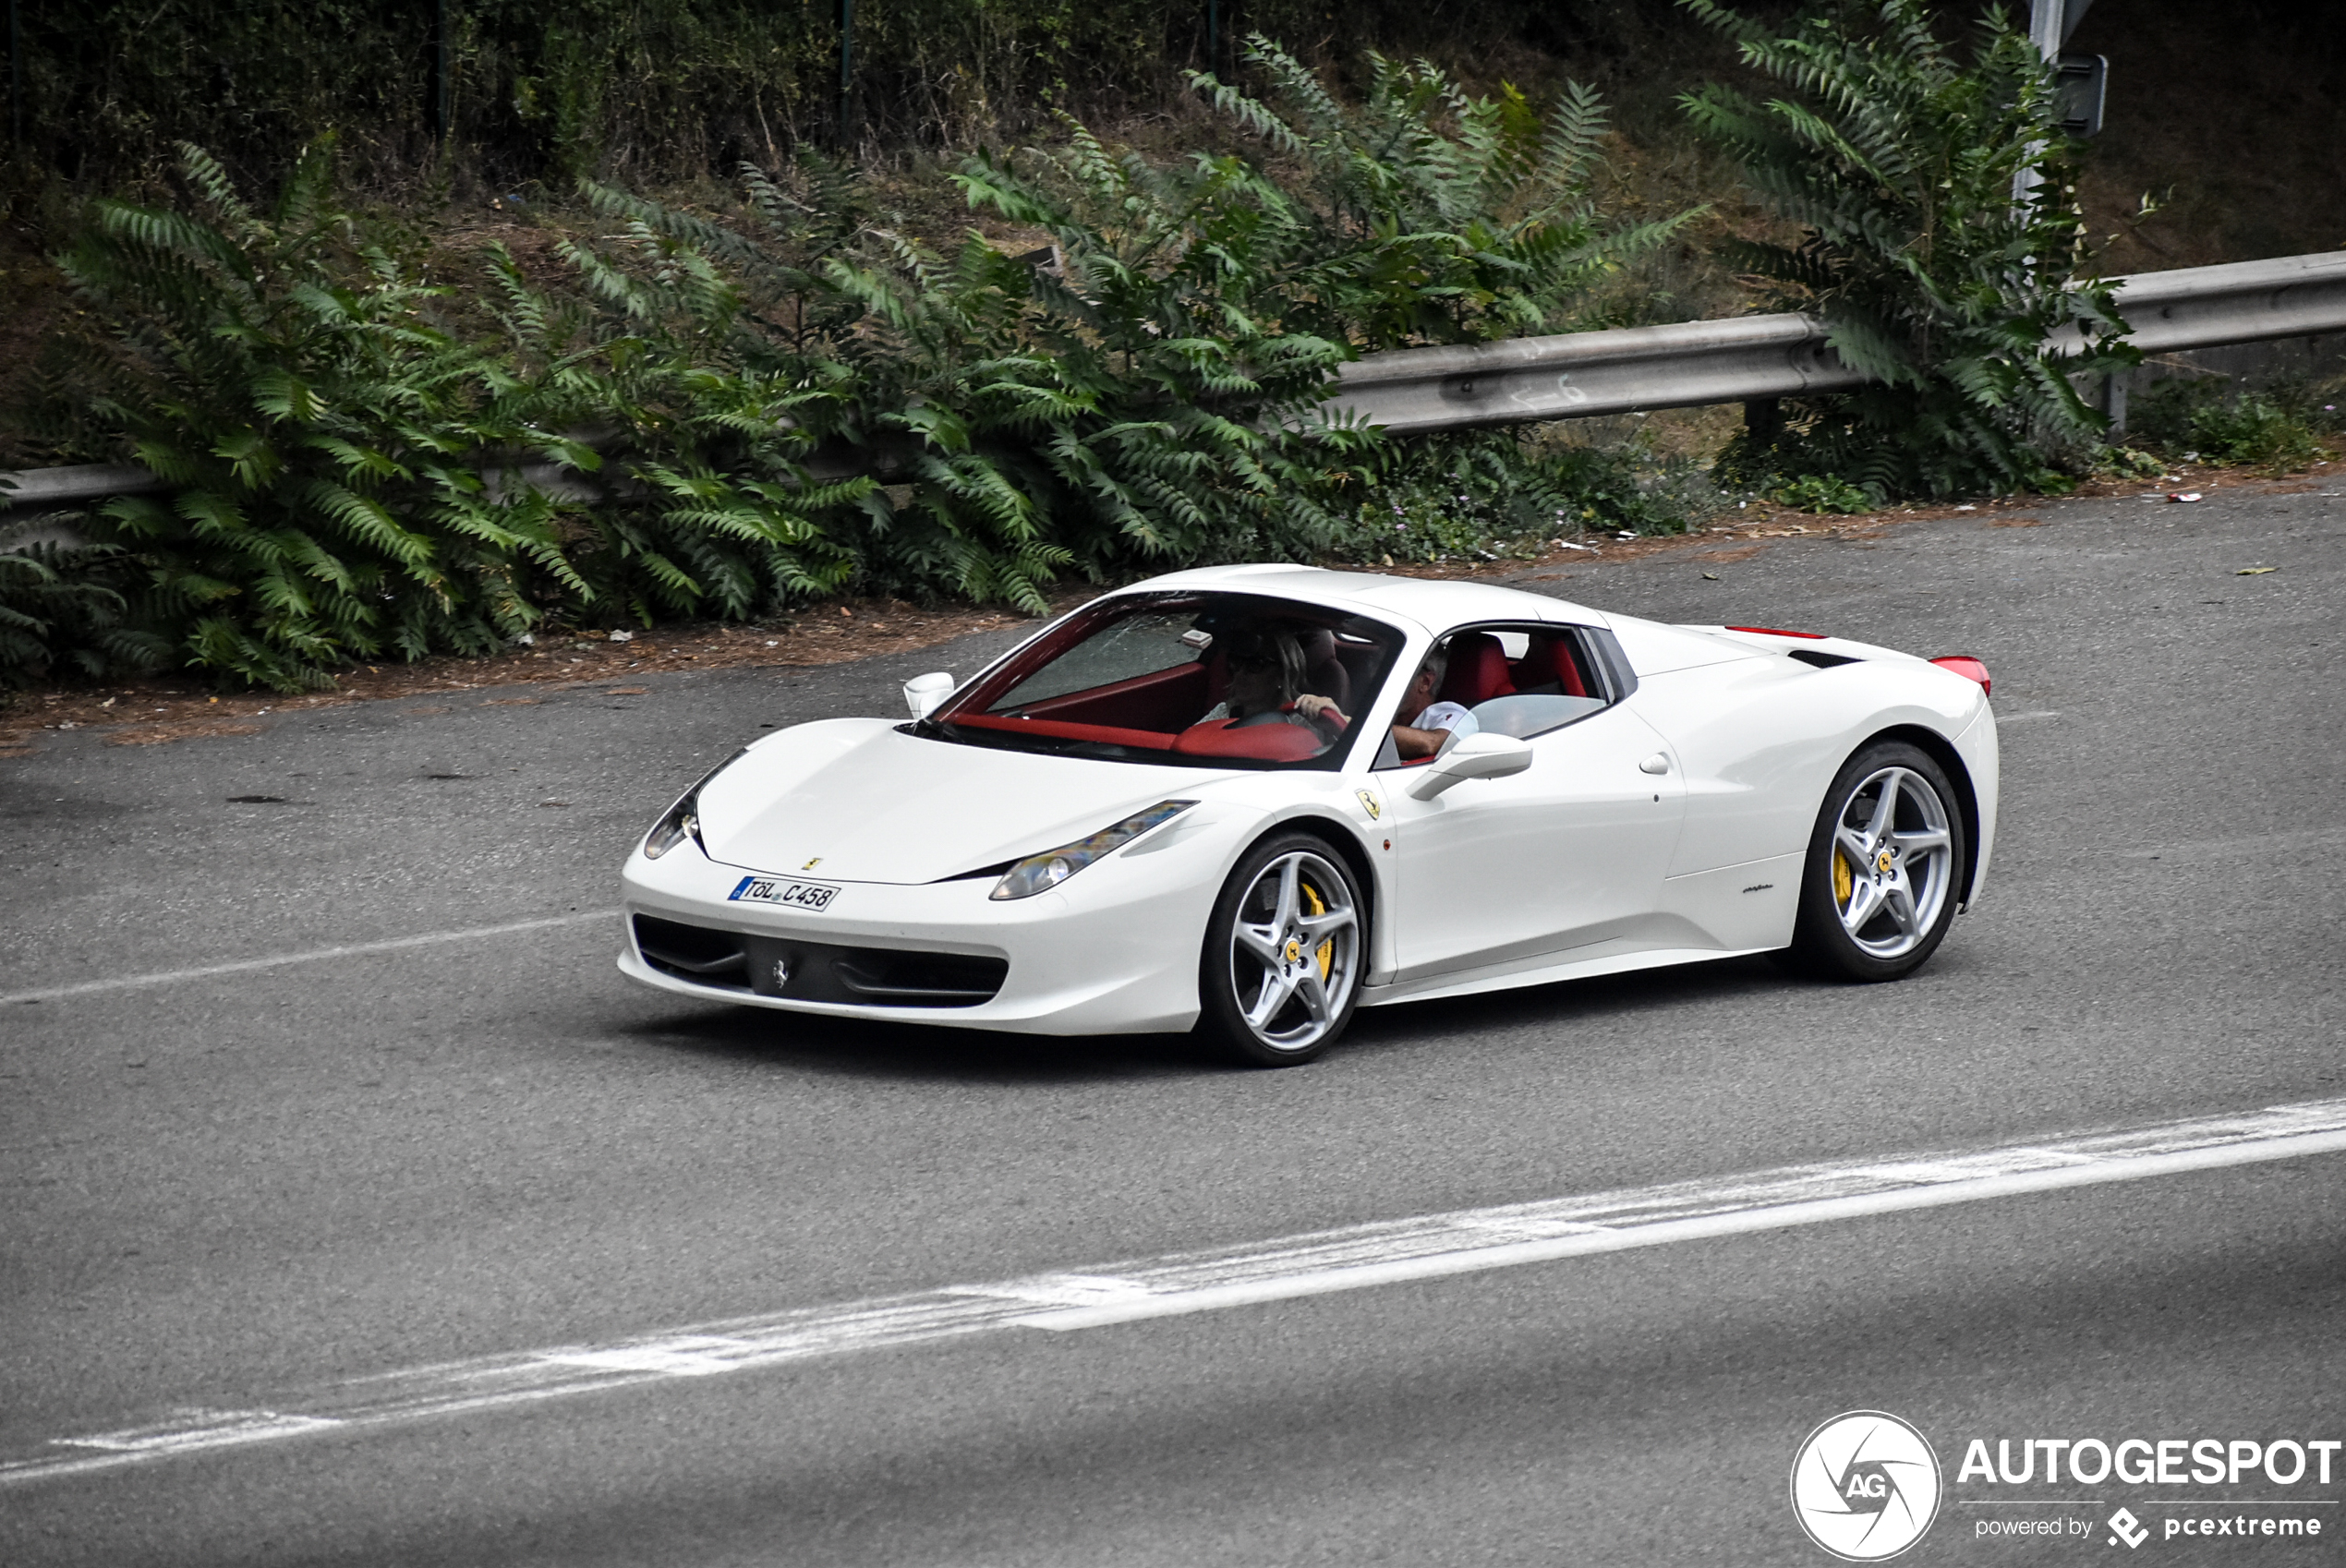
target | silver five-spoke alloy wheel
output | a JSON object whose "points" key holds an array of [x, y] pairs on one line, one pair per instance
{"points": [[1294, 953], [1893, 858]]}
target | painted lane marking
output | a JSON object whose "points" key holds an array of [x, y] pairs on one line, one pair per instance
{"points": [[199, 1429], [350, 951], [1355, 1258]]}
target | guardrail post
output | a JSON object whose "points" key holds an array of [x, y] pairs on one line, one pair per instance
{"points": [[2113, 401], [1763, 421]]}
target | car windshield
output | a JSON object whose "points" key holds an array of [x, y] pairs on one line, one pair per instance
{"points": [[1204, 680]]}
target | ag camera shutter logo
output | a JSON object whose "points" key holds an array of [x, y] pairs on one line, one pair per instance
{"points": [[1865, 1486]]}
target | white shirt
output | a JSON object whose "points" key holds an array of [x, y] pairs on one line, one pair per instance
{"points": [[1452, 717]]}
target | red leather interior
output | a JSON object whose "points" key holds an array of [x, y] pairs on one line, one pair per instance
{"points": [[1552, 657], [1478, 670], [1260, 742], [1165, 699], [1063, 730]]}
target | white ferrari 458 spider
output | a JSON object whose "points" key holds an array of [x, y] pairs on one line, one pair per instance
{"points": [[1251, 798]]}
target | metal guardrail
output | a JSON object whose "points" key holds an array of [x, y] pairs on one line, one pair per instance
{"points": [[1579, 374], [1627, 370], [1751, 357]]}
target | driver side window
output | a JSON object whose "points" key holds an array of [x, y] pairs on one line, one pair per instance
{"points": [[1521, 681]]}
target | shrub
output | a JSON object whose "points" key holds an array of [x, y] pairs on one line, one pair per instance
{"points": [[286, 378], [346, 465], [1144, 393], [2207, 416], [62, 613], [1898, 161], [364, 465], [1489, 494]]}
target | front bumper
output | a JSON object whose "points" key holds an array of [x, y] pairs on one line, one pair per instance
{"points": [[1112, 950]]}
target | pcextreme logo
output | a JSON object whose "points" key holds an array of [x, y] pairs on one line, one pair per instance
{"points": [[1865, 1486]]}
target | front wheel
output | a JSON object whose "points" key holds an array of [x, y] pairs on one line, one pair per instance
{"points": [[1284, 951], [1878, 891]]}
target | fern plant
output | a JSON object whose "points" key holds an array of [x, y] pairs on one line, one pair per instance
{"points": [[1897, 160], [288, 380], [61, 612], [1426, 214]]}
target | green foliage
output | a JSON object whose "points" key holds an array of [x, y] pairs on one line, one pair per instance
{"points": [[1821, 492], [287, 381], [352, 477], [1143, 392], [1898, 161], [61, 612], [699, 418], [2211, 420], [1424, 215], [1492, 494]]}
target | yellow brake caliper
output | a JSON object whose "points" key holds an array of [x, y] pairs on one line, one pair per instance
{"points": [[1327, 955], [1843, 885]]}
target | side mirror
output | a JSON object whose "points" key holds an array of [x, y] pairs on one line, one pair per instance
{"points": [[923, 693], [1477, 756]]}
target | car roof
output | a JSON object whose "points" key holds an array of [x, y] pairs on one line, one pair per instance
{"points": [[1433, 603]]}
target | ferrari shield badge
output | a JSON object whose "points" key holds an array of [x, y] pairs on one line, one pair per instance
{"points": [[1369, 804]]}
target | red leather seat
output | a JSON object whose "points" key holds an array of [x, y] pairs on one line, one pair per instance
{"points": [[1550, 659], [1478, 670]]}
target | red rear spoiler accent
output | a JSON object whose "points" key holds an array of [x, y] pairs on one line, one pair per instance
{"points": [[1780, 632], [1969, 667]]}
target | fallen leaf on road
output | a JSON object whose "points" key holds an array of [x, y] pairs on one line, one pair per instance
{"points": [[628, 691], [2254, 571]]}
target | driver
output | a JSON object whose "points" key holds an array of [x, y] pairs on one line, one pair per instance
{"points": [[1425, 734]]}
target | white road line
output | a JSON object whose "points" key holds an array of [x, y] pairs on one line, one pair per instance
{"points": [[350, 951], [1356, 1258]]}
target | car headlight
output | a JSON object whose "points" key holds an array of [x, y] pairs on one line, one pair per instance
{"points": [[1039, 874], [681, 821]]}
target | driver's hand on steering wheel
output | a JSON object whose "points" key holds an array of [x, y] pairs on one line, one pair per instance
{"points": [[1311, 705]]}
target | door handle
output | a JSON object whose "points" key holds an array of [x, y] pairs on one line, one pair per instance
{"points": [[1658, 762]]}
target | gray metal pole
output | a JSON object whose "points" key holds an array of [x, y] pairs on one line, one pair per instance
{"points": [[2046, 26], [1212, 35]]}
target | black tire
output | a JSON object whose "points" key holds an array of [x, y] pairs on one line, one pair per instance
{"points": [[1876, 903], [1309, 989]]}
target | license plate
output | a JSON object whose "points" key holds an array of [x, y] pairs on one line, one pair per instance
{"points": [[780, 890]]}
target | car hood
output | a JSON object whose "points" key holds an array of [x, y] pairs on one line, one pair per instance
{"points": [[857, 800]]}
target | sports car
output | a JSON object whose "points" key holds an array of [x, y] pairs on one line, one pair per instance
{"points": [[1249, 799]]}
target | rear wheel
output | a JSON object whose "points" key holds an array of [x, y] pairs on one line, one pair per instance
{"points": [[1284, 951], [1877, 892]]}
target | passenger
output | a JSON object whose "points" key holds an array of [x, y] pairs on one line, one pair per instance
{"points": [[1424, 735], [1265, 672]]}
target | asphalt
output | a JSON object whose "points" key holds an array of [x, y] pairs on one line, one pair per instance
{"points": [[222, 1186]]}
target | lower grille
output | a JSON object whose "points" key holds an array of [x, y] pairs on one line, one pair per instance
{"points": [[817, 971]]}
